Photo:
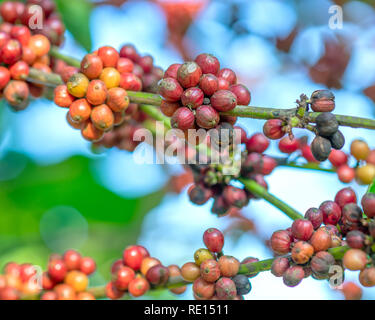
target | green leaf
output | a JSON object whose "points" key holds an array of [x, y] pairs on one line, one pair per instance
{"points": [[76, 16], [371, 188]]}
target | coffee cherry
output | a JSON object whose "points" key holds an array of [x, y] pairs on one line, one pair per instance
{"points": [[21, 33], [331, 212], [19, 71], [91, 66], [280, 242], [8, 11], [367, 277], [201, 255], [189, 74], [49, 295], [208, 63], [125, 65], [183, 119], [133, 257], [273, 129], [192, 98], [130, 81], [351, 291], [96, 92], [168, 108], [4, 37], [337, 140], [62, 97], [190, 271], [355, 239], [287, 145], [203, 289], [57, 270], [47, 282], [326, 124], [85, 296], [117, 99], [112, 292], [269, 164], [77, 280], [321, 263], [87, 266], [229, 266], [213, 240], [355, 259], [122, 277], [170, 89], [293, 276], [90, 132], [72, 260], [315, 216], [11, 51], [199, 195], [302, 252], [242, 283], [235, 197], [39, 44], [365, 174], [128, 51], [345, 173], [27, 271], [9, 293], [117, 265], [207, 117], [77, 85], [351, 214], [158, 275], [4, 77], [109, 56], [102, 117], [257, 143], [321, 148], [359, 149], [279, 266], [80, 110], [371, 157], [302, 229], [210, 270], [322, 101], [242, 94], [228, 75], [67, 72], [223, 100], [225, 289], [111, 77], [171, 71], [321, 240], [368, 204], [209, 84], [337, 158], [148, 263], [307, 153]]}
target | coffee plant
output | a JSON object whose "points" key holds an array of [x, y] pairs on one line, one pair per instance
{"points": [[110, 94]]}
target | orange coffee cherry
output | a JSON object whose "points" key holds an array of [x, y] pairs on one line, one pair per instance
{"points": [[96, 92], [90, 132], [102, 117], [65, 292], [77, 280], [80, 110], [359, 149], [40, 45], [302, 252], [91, 66], [62, 97], [355, 259], [118, 99]]}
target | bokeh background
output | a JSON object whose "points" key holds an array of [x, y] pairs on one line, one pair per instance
{"points": [[55, 193]]}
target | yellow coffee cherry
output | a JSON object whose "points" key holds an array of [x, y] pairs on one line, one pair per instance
{"points": [[365, 174], [201, 255], [77, 85], [111, 77], [359, 149], [77, 280]]}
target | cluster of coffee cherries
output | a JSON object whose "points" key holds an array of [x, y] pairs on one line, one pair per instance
{"points": [[196, 91], [22, 48], [137, 272], [215, 276], [211, 182], [308, 241], [66, 278]]}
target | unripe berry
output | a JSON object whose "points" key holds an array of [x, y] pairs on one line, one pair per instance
{"points": [[72, 260], [189, 74], [355, 239], [190, 271], [279, 266], [302, 252], [209, 270], [77, 280], [90, 132], [208, 63], [228, 75], [192, 98], [87, 265], [315, 216], [11, 51], [80, 110], [91, 66], [57, 270], [96, 92], [293, 276], [365, 174], [322, 101], [321, 263], [183, 119], [302, 229], [321, 240], [355, 259], [39, 44], [359, 149], [111, 77], [368, 204], [242, 94], [109, 56], [229, 266], [225, 289], [207, 117], [321, 148], [77, 85], [223, 100], [130, 81], [125, 65], [168, 108], [213, 240], [273, 129], [280, 242], [203, 289], [201, 255], [170, 89], [338, 158], [117, 99], [209, 84]]}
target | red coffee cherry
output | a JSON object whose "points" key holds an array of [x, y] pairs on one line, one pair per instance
{"points": [[345, 173], [302, 252], [315, 216], [189, 74], [279, 266], [242, 94], [87, 265], [228, 75], [257, 143], [47, 282], [268, 165], [146, 63], [4, 37], [331, 212], [192, 98], [229, 266], [11, 51], [367, 277], [235, 197], [355, 259], [307, 153], [321, 263], [116, 266], [338, 158], [27, 271], [280, 242], [57, 270], [4, 77], [49, 295], [203, 289], [158, 275], [21, 33], [67, 72], [356, 239], [96, 92], [207, 117], [223, 100], [368, 204], [133, 257], [170, 89], [125, 65], [92, 66], [287, 145], [321, 240], [322, 101], [19, 71], [109, 56], [8, 11], [112, 292], [223, 84], [209, 84], [208, 63], [9, 293], [352, 291], [183, 119], [171, 72], [122, 277], [130, 81], [345, 196], [210, 270], [225, 289], [213, 240], [72, 260], [273, 129], [129, 51], [302, 229], [169, 108], [293, 276]]}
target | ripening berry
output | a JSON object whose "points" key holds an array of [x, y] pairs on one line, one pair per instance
{"points": [[229, 266], [190, 271], [321, 240], [62, 97], [39, 44], [371, 157], [169, 108], [77, 85], [302, 229], [111, 77], [11, 51], [359, 149], [367, 277], [80, 111], [225, 289], [57, 270], [355, 259], [331, 212], [125, 65], [208, 63], [345, 173], [203, 289], [223, 100], [189, 74], [109, 56], [352, 291], [102, 117], [209, 84], [123, 276], [279, 266], [183, 119], [130, 81], [96, 92], [210, 270], [213, 240], [138, 286], [242, 94], [201, 255], [91, 66], [228, 75], [281, 241], [90, 132], [88, 265], [112, 292], [368, 204], [207, 117], [170, 89], [192, 98], [4, 77], [158, 275], [77, 280], [72, 259], [148, 263], [365, 174], [302, 252], [293, 276], [273, 129]]}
